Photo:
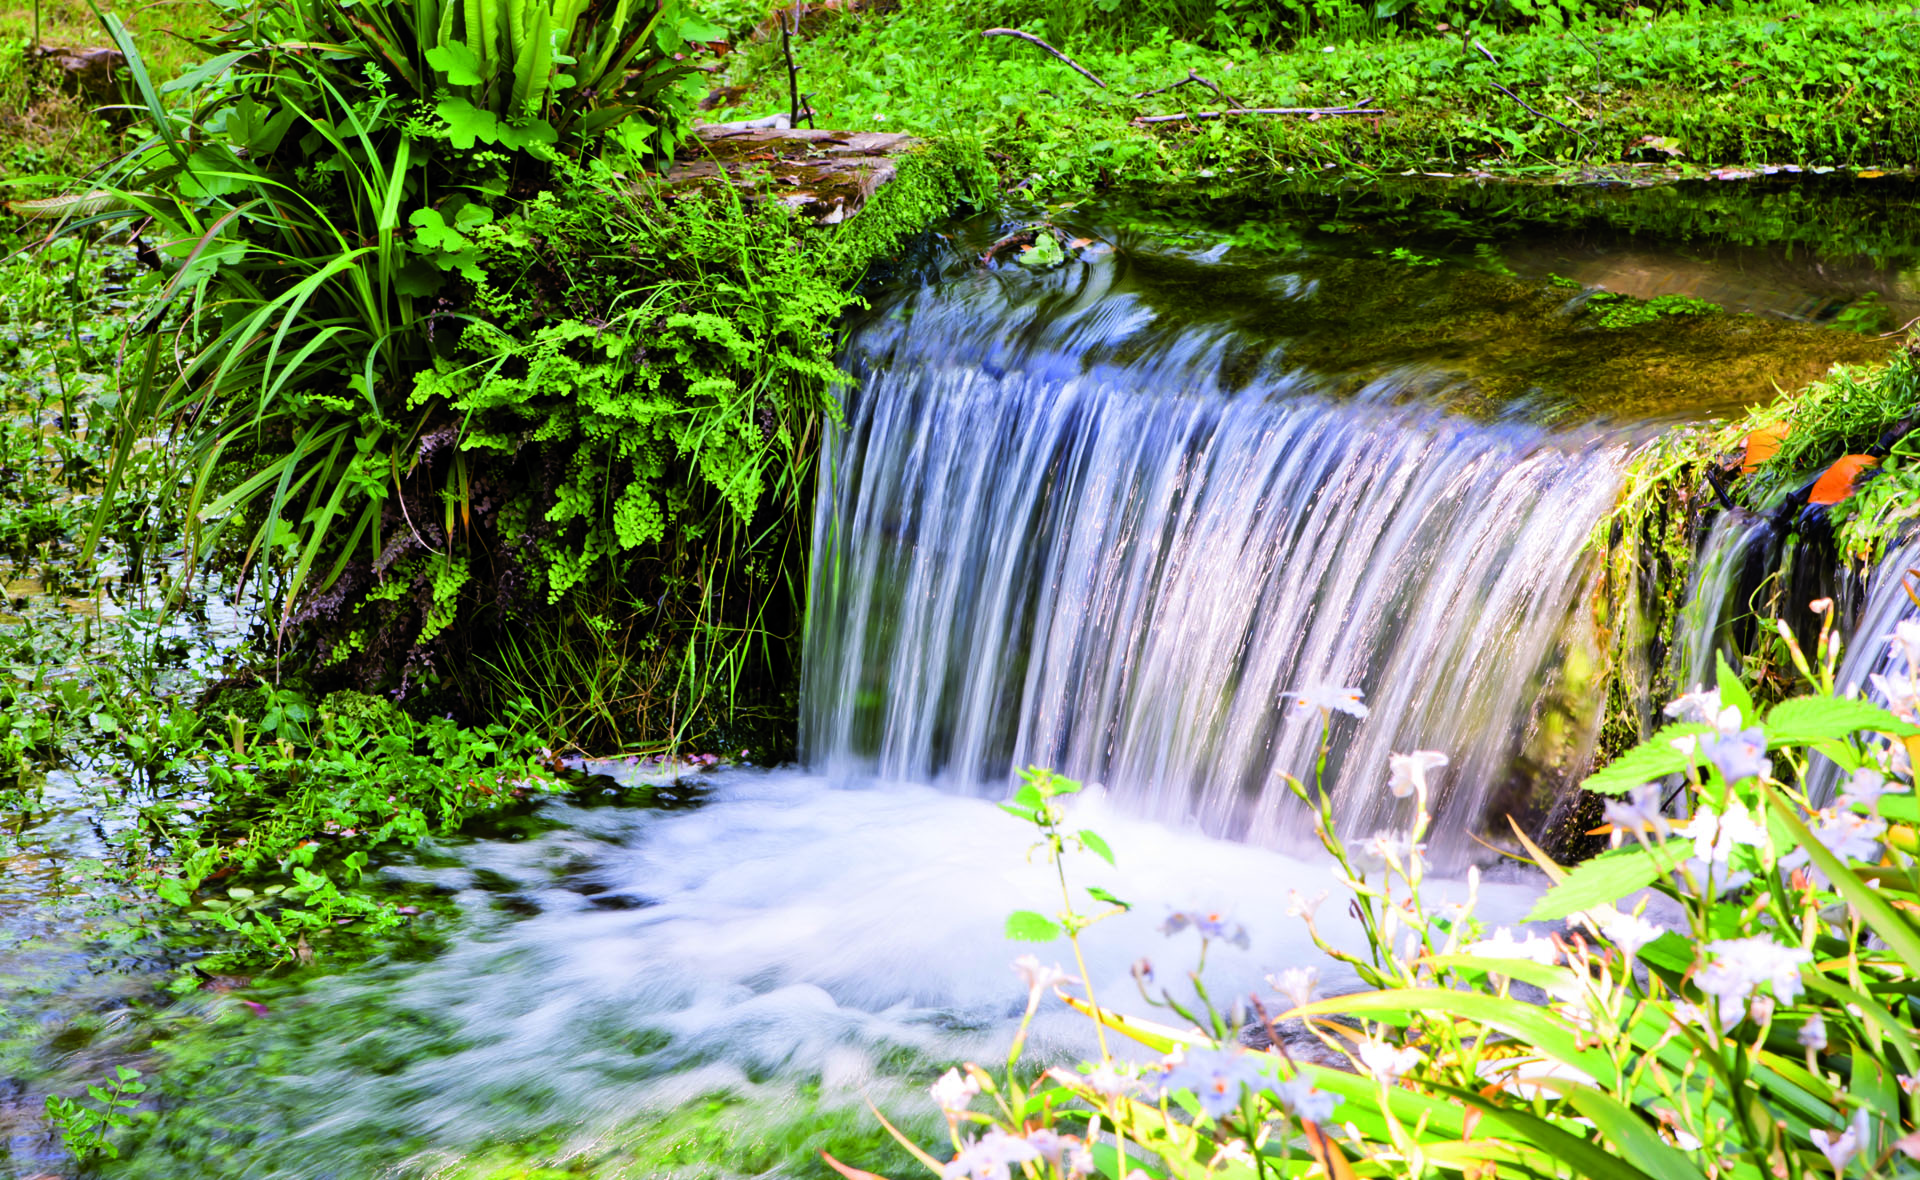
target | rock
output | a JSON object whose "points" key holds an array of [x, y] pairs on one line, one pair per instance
{"points": [[90, 73], [826, 175]]}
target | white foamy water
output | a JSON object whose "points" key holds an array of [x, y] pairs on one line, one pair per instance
{"points": [[786, 930]]}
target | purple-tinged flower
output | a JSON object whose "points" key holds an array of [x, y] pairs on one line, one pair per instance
{"points": [[953, 1092], [1640, 812], [1067, 1153], [1813, 1034], [1386, 1062], [1740, 755], [1215, 1076], [1841, 1147], [1865, 786], [1210, 923], [1847, 834], [1736, 966], [1702, 705], [1308, 1104], [1296, 984], [1325, 699], [1106, 1080], [1409, 771], [990, 1157]]}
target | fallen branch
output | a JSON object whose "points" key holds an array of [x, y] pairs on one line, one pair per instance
{"points": [[1542, 114], [1086, 73], [1364, 108], [1190, 79]]}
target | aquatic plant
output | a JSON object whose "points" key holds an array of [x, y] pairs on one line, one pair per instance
{"points": [[1747, 1014]]}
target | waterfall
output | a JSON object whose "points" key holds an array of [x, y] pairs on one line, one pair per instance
{"points": [[1868, 653], [1060, 536]]}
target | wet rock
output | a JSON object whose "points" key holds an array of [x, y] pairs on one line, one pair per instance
{"points": [[91, 73]]}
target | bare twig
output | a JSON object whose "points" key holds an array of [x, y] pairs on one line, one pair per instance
{"points": [[1488, 52], [1364, 107], [1190, 79], [1541, 113], [1084, 72], [793, 71]]}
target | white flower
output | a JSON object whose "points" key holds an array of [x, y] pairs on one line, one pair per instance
{"points": [[1325, 699], [1304, 907], [1296, 983], [1640, 812], [990, 1157], [1409, 771], [1907, 1085], [1384, 1061], [1715, 836], [1298, 1095], [1905, 642], [1037, 978], [953, 1092], [1393, 849], [1813, 1034], [1503, 946], [1629, 932], [1688, 1012], [1736, 966], [1700, 705]]}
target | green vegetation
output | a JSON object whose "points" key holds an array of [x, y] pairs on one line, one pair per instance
{"points": [[1749, 1015], [1537, 89]]}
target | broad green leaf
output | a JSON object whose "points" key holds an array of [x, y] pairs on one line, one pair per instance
{"points": [[1585, 1158], [1732, 692], [1652, 759], [1601, 881], [1096, 845], [1629, 1135], [1804, 721], [1028, 926], [457, 62]]}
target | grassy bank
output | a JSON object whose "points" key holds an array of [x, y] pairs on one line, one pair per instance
{"points": [[1776, 83]]}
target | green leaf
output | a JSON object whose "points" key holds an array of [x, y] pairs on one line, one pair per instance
{"points": [[1652, 759], [1585, 1158], [1804, 721], [1732, 692], [1028, 926], [1099, 894], [457, 62], [1601, 881], [1628, 1134], [1096, 845], [1544, 1031]]}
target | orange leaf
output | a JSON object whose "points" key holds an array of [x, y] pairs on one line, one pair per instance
{"points": [[1836, 483], [1327, 1154]]}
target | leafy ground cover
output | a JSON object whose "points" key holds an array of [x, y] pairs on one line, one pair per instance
{"points": [[1811, 86]]}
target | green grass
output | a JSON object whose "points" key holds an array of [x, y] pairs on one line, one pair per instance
{"points": [[1775, 83]]}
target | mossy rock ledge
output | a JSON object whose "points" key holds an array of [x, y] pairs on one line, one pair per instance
{"points": [[826, 176]]}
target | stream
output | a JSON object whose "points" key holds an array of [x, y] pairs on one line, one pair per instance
{"points": [[1104, 517]]}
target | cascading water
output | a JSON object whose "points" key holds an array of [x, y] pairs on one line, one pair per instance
{"points": [[1028, 552]]}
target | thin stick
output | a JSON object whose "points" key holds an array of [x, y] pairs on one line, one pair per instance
{"points": [[793, 71], [1362, 109], [1191, 78], [1084, 72], [1542, 114]]}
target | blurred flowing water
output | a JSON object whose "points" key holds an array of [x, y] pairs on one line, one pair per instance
{"points": [[1101, 518]]}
